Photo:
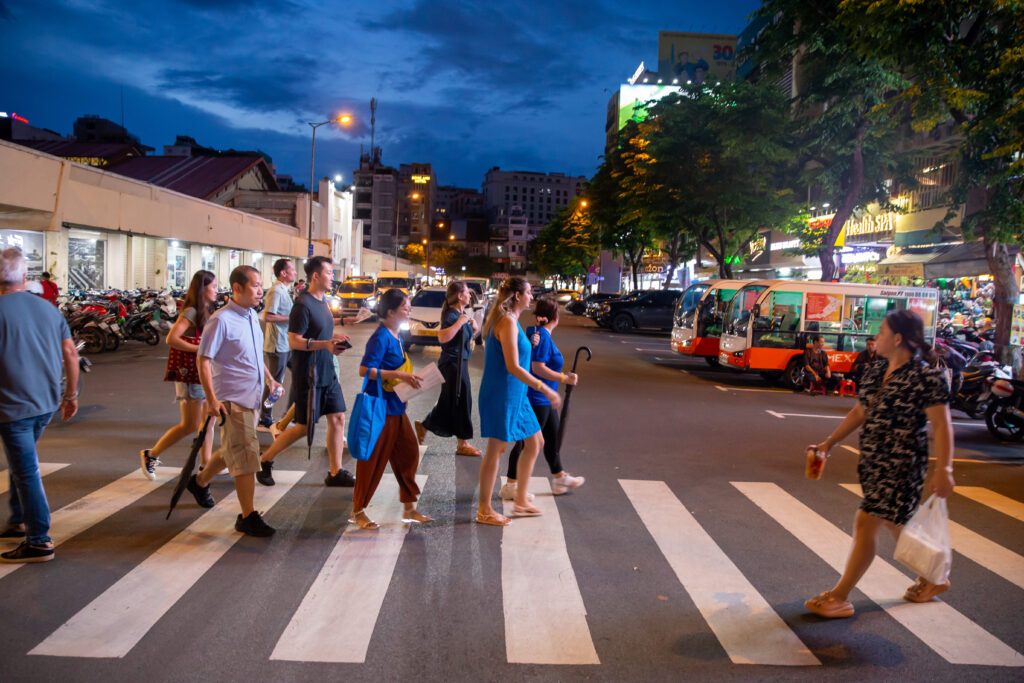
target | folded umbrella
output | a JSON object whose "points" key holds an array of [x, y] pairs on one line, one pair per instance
{"points": [[311, 408], [565, 401], [190, 463]]}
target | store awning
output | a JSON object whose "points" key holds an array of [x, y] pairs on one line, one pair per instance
{"points": [[962, 260]]}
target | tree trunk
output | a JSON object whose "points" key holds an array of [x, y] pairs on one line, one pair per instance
{"points": [[826, 254], [673, 259], [1000, 265]]}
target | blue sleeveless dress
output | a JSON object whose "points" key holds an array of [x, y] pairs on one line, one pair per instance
{"points": [[505, 412]]}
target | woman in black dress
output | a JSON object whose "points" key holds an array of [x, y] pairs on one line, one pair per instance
{"points": [[451, 417], [896, 399]]}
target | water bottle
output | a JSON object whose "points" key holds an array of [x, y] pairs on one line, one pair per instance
{"points": [[272, 397]]}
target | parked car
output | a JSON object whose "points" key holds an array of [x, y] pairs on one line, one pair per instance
{"points": [[425, 317], [650, 308], [589, 303], [564, 296]]}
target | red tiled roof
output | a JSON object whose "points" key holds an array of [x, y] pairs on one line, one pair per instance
{"points": [[198, 176]]}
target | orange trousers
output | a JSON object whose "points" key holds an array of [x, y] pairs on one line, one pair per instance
{"points": [[397, 445]]}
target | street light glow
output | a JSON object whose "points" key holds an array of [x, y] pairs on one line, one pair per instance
{"points": [[451, 237], [415, 195], [424, 241], [337, 178], [344, 119], [583, 203]]}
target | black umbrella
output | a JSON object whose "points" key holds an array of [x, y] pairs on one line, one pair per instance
{"points": [[458, 370], [565, 401], [311, 407], [190, 463]]}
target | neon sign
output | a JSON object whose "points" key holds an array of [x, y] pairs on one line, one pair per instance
{"points": [[421, 179], [12, 115]]}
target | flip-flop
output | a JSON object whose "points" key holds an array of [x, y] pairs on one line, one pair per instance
{"points": [[492, 519], [925, 591], [413, 520], [468, 450], [369, 524], [525, 512]]}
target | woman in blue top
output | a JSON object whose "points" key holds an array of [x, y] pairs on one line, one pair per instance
{"points": [[397, 443], [505, 412], [546, 365]]}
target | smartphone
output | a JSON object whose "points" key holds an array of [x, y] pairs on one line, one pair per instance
{"points": [[343, 345]]}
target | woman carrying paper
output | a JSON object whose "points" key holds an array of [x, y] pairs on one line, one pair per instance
{"points": [[452, 416], [397, 442], [895, 402]]}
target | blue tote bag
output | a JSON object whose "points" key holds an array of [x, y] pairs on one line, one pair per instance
{"points": [[366, 421]]}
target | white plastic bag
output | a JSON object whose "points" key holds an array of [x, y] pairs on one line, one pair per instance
{"points": [[923, 545]]}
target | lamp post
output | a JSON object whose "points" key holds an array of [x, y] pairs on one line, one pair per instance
{"points": [[344, 120], [414, 196], [426, 252]]}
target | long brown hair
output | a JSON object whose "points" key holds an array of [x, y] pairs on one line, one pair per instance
{"points": [[451, 296], [504, 300], [194, 297], [909, 325]]}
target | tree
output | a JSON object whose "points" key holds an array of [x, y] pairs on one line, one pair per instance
{"points": [[967, 65], [716, 160], [413, 253], [849, 146], [568, 244]]}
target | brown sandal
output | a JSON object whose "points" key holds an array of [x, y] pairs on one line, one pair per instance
{"points": [[925, 591], [468, 450], [492, 519], [824, 605]]}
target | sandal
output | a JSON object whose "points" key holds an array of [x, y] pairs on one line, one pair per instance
{"points": [[365, 523], [468, 450], [528, 511], [824, 605], [415, 517], [925, 591], [492, 519]]}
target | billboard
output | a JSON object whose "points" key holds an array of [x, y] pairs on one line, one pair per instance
{"points": [[693, 57], [632, 99]]}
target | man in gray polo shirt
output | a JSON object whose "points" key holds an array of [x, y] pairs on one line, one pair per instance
{"points": [[232, 372], [277, 306]]}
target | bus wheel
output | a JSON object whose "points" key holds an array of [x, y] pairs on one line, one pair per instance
{"points": [[793, 377], [711, 360]]}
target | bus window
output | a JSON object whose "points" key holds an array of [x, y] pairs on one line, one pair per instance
{"points": [[853, 314], [779, 320], [926, 309], [738, 313], [876, 310]]}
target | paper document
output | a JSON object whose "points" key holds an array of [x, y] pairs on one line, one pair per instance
{"points": [[432, 377], [363, 314], [478, 315]]}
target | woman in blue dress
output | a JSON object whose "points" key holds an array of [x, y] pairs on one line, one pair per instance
{"points": [[505, 412]]}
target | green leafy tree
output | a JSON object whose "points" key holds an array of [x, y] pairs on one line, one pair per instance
{"points": [[967, 65], [850, 149], [413, 253], [567, 246]]}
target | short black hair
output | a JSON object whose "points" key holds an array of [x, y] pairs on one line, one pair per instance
{"points": [[46, 275], [279, 266], [316, 265], [816, 338], [240, 276], [870, 339], [389, 301]]}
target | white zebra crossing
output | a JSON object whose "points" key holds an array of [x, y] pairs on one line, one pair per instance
{"points": [[975, 547], [996, 501], [45, 468], [76, 517], [945, 630], [749, 630], [113, 623], [545, 618], [336, 619]]}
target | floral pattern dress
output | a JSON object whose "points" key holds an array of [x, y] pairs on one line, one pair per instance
{"points": [[893, 441]]}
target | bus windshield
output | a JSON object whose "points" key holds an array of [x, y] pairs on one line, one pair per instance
{"points": [[688, 303], [364, 287], [711, 311], [396, 282], [738, 316]]}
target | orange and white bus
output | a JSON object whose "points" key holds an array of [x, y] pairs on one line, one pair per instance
{"points": [[770, 338], [697, 320]]}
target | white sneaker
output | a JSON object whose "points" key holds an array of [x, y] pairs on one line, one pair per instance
{"points": [[508, 492], [560, 485]]}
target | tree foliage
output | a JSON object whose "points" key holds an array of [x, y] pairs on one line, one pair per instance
{"points": [[568, 244]]}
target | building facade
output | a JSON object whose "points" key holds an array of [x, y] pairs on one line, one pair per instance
{"points": [[539, 196]]}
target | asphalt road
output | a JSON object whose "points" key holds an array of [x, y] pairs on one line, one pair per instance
{"points": [[688, 553]]}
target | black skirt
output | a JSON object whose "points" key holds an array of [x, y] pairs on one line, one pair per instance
{"points": [[448, 419]]}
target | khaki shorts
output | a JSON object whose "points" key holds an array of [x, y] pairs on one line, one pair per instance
{"points": [[239, 445]]}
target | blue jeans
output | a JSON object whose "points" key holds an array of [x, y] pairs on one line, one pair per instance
{"points": [[28, 500]]}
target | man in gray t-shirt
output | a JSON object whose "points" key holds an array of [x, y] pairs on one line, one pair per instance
{"points": [[277, 306], [33, 339]]}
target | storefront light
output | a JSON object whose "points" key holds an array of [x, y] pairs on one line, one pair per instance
{"points": [[174, 243]]}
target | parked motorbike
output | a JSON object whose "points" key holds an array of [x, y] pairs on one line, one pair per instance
{"points": [[971, 391], [1005, 415]]}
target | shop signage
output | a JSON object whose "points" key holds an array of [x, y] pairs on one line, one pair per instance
{"points": [[871, 228], [901, 269], [1017, 326], [760, 249], [421, 179], [918, 293], [499, 276]]}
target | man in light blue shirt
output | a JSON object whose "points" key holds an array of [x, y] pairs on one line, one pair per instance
{"points": [[232, 372], [277, 306]]}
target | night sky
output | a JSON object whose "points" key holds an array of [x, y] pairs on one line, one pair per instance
{"points": [[462, 85]]}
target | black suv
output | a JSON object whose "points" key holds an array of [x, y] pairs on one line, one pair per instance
{"points": [[645, 308]]}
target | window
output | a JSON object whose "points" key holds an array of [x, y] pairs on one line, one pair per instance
{"points": [[778, 321]]}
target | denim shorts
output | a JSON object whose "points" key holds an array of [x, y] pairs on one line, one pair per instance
{"points": [[191, 392]]}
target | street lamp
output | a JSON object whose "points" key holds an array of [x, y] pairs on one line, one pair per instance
{"points": [[343, 119], [426, 251], [414, 196], [583, 203]]}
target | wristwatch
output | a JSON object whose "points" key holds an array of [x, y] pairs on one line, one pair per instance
{"points": [[308, 342]]}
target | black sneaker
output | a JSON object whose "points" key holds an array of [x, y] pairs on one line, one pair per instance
{"points": [[11, 531], [27, 552], [202, 493], [342, 478], [253, 525], [149, 464], [266, 475]]}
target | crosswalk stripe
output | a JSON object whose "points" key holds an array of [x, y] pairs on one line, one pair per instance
{"points": [[45, 468], [996, 501], [545, 618], [337, 617], [113, 623], [76, 517], [946, 631], [975, 547], [750, 631]]}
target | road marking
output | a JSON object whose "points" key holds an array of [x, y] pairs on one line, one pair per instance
{"points": [[45, 468], [974, 460], [996, 501], [763, 391], [750, 631], [975, 547], [76, 517], [783, 416], [851, 449], [949, 633], [545, 618], [336, 619], [114, 623]]}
